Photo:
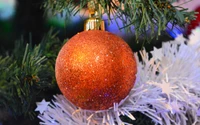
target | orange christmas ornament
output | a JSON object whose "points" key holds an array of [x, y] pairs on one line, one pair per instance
{"points": [[95, 69]]}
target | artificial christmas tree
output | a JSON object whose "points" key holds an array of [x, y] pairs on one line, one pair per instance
{"points": [[166, 87]]}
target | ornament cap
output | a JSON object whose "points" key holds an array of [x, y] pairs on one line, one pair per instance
{"points": [[94, 24]]}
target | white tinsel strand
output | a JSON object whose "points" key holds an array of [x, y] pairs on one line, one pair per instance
{"points": [[179, 62], [166, 90]]}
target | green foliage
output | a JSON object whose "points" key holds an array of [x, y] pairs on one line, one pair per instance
{"points": [[148, 17], [26, 73]]}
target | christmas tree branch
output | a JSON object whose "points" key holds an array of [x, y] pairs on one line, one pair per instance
{"points": [[22, 78], [146, 16]]}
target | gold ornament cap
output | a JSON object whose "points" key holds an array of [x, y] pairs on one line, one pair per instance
{"points": [[94, 22]]}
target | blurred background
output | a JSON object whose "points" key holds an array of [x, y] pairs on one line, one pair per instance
{"points": [[24, 17]]}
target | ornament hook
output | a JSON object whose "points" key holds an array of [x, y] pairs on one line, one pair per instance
{"points": [[94, 22]]}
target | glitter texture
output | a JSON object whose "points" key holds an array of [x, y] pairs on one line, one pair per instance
{"points": [[95, 69]]}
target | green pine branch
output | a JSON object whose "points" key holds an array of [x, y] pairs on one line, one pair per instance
{"points": [[26, 73], [148, 17]]}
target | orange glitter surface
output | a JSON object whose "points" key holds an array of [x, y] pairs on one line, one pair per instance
{"points": [[95, 69]]}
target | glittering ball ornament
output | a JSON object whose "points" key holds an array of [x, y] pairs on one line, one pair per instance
{"points": [[95, 69]]}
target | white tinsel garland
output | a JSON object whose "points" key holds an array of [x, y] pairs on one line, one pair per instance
{"points": [[166, 90]]}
